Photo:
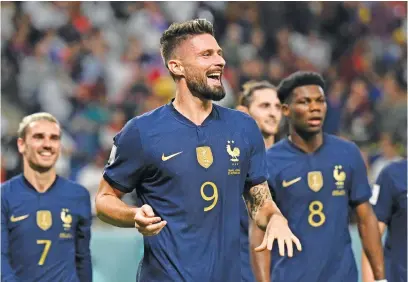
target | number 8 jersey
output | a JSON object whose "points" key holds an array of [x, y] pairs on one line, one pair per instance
{"points": [[314, 192], [193, 177]]}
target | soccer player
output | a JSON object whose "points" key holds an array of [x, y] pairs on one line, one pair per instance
{"points": [[315, 178], [260, 100], [389, 200], [190, 161], [45, 219]]}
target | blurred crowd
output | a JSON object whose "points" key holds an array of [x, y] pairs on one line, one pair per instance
{"points": [[95, 65]]}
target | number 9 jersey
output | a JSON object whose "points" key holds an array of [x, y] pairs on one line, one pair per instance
{"points": [[314, 192], [193, 177]]}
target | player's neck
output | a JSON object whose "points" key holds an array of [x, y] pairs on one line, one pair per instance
{"points": [[41, 181], [308, 143], [193, 108], [269, 141]]}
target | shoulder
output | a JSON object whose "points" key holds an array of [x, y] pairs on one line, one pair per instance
{"points": [[340, 144], [394, 169], [73, 188], [6, 187], [233, 116], [278, 148], [146, 119]]}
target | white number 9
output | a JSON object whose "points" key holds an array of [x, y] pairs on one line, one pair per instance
{"points": [[213, 197]]}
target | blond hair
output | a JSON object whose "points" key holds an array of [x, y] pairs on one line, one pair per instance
{"points": [[27, 120]]}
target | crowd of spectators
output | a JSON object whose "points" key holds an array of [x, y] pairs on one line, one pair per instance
{"points": [[95, 65]]}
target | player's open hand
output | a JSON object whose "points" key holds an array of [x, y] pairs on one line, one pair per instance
{"points": [[278, 229], [146, 222]]}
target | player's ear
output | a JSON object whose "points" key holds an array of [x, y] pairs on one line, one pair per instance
{"points": [[242, 109], [20, 145], [176, 67], [285, 110]]}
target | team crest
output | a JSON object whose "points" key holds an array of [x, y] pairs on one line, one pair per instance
{"points": [[339, 176], [66, 219], [315, 180], [233, 152], [44, 219], [204, 156]]}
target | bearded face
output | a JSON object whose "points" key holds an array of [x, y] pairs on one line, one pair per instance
{"points": [[206, 85]]}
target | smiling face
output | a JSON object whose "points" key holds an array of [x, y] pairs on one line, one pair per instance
{"points": [[200, 63], [265, 108], [306, 109], [41, 145]]}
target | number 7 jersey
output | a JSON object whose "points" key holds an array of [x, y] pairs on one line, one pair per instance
{"points": [[315, 192], [193, 177]]}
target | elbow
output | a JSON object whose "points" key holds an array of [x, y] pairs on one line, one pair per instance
{"points": [[99, 206]]}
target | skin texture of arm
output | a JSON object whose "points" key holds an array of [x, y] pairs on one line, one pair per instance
{"points": [[365, 264], [371, 239], [111, 209], [260, 204], [260, 261]]}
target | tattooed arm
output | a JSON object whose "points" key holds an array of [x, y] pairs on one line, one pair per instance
{"points": [[267, 216], [260, 205]]}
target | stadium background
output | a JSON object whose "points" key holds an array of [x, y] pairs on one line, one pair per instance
{"points": [[94, 65]]}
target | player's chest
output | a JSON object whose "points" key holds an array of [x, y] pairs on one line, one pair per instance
{"points": [[199, 151], [315, 179], [49, 217]]}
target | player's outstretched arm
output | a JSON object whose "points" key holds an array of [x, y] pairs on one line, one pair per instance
{"points": [[260, 261], [371, 239], [267, 216], [366, 270], [111, 209]]}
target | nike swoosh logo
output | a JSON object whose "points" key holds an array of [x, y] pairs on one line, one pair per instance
{"points": [[164, 158], [288, 183], [18, 218]]}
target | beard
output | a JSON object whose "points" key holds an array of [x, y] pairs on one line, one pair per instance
{"points": [[199, 88]]}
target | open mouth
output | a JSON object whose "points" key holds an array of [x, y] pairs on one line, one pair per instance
{"points": [[46, 154], [215, 77], [315, 121]]}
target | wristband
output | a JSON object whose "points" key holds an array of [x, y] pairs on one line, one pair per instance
{"points": [[381, 280]]}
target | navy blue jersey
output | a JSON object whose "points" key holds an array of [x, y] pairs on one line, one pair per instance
{"points": [[314, 192], [390, 205], [45, 236], [246, 268], [193, 177]]}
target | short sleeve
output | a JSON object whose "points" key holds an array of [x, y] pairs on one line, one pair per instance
{"points": [[126, 161], [257, 172], [360, 191], [382, 197]]}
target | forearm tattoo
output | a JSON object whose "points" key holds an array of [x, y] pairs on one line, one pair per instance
{"points": [[256, 197]]}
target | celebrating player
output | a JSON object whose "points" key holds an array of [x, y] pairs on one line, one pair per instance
{"points": [[390, 205], [190, 161], [260, 100], [315, 178], [45, 219]]}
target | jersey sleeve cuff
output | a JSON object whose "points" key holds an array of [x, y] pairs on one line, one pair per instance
{"points": [[359, 201], [255, 181], [116, 185]]}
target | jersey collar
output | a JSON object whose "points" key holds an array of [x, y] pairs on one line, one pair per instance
{"points": [[179, 117], [31, 188]]}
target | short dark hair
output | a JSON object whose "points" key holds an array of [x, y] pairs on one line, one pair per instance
{"points": [[178, 32], [297, 79], [248, 89]]}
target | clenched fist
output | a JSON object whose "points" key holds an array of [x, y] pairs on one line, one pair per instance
{"points": [[146, 222]]}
